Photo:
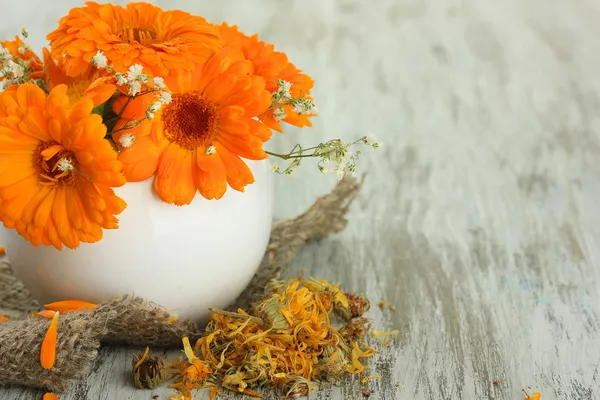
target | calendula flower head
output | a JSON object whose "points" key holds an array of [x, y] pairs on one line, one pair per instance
{"points": [[149, 371], [18, 63], [163, 42], [65, 168]]}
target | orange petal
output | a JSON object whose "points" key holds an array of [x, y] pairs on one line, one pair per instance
{"points": [[48, 350], [50, 396], [46, 314], [210, 176], [140, 161], [70, 305], [3, 318], [174, 182], [2, 251], [100, 91]]}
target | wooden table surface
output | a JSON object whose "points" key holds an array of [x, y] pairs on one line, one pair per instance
{"points": [[478, 219]]}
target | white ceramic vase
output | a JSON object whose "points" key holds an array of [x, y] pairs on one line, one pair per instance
{"points": [[186, 259]]}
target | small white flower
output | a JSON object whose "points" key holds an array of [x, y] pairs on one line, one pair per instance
{"points": [[311, 107], [16, 70], [159, 82], [283, 89], [371, 140], [149, 115], [279, 114], [24, 48], [135, 73], [165, 97], [127, 140], [24, 32], [99, 60], [64, 164], [295, 163], [302, 107], [275, 168], [121, 79], [134, 88], [211, 150], [154, 107], [4, 54]]}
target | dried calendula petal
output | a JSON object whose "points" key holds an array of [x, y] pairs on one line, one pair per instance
{"points": [[3, 318], [48, 349], [381, 334], [50, 396], [368, 378], [70, 306], [149, 371]]}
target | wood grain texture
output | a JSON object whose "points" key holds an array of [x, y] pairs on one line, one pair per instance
{"points": [[479, 217]]}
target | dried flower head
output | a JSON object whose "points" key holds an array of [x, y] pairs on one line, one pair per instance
{"points": [[149, 370]]}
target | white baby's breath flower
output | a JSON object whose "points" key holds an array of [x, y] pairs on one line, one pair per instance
{"points": [[24, 48], [24, 32], [165, 97], [371, 140], [99, 60], [64, 164], [283, 89], [4, 54], [135, 73], [159, 82], [121, 79], [134, 88], [154, 107], [210, 150], [302, 107], [275, 168], [279, 114], [127, 140], [16, 70]]}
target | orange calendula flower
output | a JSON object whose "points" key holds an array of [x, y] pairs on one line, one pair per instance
{"points": [[194, 143], [56, 168], [70, 305], [2, 251], [3, 318], [50, 396], [90, 83], [48, 350], [139, 33], [272, 66]]}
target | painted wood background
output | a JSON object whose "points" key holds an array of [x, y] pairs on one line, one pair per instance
{"points": [[479, 217]]}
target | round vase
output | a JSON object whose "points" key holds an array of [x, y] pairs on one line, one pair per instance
{"points": [[184, 258]]}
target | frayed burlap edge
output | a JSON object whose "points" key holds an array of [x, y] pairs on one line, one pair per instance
{"points": [[134, 321]]}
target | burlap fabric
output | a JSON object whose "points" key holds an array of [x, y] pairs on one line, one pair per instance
{"points": [[135, 321]]}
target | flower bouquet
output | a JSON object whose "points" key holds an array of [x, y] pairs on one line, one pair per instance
{"points": [[132, 111]]}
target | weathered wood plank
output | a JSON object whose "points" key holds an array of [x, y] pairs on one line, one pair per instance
{"points": [[479, 218]]}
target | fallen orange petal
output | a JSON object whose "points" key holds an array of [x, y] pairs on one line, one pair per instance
{"points": [[50, 396], [253, 393], [70, 305], [48, 350], [3, 318], [2, 251], [368, 378], [46, 314]]}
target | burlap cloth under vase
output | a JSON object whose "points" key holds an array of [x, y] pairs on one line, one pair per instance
{"points": [[134, 321]]}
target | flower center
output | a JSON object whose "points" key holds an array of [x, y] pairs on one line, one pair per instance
{"points": [[190, 121], [144, 37], [54, 164]]}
